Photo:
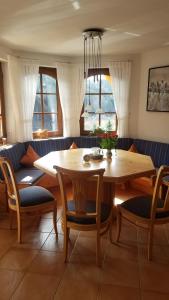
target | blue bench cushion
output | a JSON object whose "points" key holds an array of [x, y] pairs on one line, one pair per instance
{"points": [[28, 175], [159, 152], [14, 154], [34, 195], [43, 147], [90, 207], [141, 206]]}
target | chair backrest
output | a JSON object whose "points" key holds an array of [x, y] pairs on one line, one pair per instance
{"points": [[9, 176], [80, 181], [157, 194]]}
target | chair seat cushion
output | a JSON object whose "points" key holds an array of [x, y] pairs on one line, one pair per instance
{"points": [[166, 179], [28, 175], [141, 206], [34, 195], [90, 208]]}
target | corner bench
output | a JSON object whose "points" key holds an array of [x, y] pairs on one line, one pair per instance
{"points": [[30, 176]]}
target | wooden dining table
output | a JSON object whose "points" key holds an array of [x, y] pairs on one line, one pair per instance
{"points": [[123, 166]]}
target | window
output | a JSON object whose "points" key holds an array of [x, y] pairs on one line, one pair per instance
{"points": [[47, 109], [2, 106], [99, 94]]}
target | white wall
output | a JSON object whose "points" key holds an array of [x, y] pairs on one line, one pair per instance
{"points": [[144, 124]]}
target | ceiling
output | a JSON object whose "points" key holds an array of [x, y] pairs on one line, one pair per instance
{"points": [[55, 26]]}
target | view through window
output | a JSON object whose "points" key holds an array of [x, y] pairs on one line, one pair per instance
{"points": [[99, 94], [47, 109]]}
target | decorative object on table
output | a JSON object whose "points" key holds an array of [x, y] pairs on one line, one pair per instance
{"points": [[158, 89], [109, 142], [86, 158], [96, 153]]}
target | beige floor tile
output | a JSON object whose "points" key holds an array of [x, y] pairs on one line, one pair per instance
{"points": [[49, 263], [87, 246], [109, 292], [83, 272], [36, 287], [122, 251], [32, 240], [120, 272], [56, 244], [17, 259], [43, 225], [8, 283], [154, 296], [7, 237], [83, 259], [153, 276], [70, 290], [160, 254]]}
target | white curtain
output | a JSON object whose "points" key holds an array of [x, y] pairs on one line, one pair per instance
{"points": [[71, 89], [121, 73], [29, 80], [20, 78]]}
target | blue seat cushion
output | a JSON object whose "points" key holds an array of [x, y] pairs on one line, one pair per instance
{"points": [[28, 175], [141, 206], [34, 195], [90, 208], [166, 179]]}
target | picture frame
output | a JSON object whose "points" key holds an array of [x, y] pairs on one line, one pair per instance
{"points": [[158, 89]]}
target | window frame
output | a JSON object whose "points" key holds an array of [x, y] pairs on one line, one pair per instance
{"points": [[2, 104], [92, 72], [53, 73]]}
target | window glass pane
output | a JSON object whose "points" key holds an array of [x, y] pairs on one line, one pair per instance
{"points": [[106, 84], [48, 84], [49, 102], [38, 84], [50, 122], [108, 121], [38, 107], [92, 84], [37, 122], [94, 101], [107, 103], [91, 122]]}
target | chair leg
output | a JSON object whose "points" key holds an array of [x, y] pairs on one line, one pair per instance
{"points": [[150, 242], [119, 217], [98, 249], [19, 223], [66, 236], [55, 219]]}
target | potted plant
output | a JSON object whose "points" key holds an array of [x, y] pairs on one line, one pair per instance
{"points": [[109, 141]]}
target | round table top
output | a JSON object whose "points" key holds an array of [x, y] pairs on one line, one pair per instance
{"points": [[123, 165]]}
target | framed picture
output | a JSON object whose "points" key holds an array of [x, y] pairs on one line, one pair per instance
{"points": [[158, 89]]}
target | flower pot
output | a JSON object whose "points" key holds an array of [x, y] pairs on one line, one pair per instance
{"points": [[109, 153]]}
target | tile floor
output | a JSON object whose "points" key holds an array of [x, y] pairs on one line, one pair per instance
{"points": [[35, 270]]}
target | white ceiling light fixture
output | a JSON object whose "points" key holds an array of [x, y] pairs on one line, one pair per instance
{"points": [[92, 60]]}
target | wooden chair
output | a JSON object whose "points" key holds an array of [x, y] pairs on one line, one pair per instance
{"points": [[81, 213], [33, 199], [147, 211]]}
